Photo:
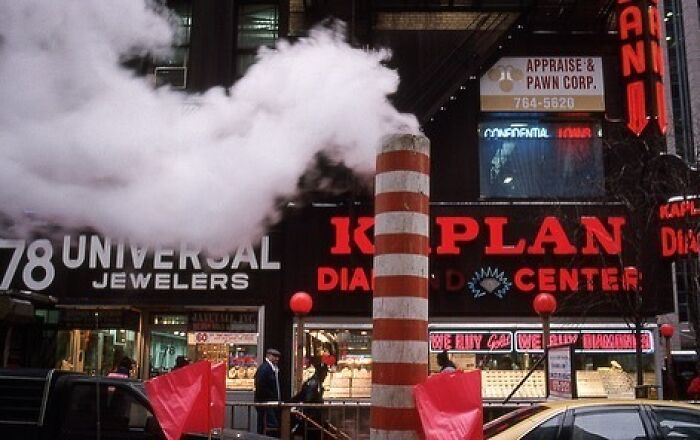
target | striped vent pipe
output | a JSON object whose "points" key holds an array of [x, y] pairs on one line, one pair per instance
{"points": [[400, 303]]}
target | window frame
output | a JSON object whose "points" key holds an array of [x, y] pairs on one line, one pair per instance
{"points": [[647, 423]]}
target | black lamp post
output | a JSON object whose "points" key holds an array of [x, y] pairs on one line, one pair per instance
{"points": [[666, 331], [545, 304]]}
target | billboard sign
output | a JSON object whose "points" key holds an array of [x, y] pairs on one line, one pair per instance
{"points": [[544, 84]]}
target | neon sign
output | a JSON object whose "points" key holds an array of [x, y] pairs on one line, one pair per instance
{"points": [[542, 131], [585, 341], [642, 63], [679, 235], [495, 236], [472, 342]]}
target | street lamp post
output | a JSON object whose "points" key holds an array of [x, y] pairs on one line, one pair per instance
{"points": [[666, 331], [300, 303], [545, 304]]}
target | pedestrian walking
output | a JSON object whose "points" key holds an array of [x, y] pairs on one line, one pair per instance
{"points": [[311, 392], [267, 389]]}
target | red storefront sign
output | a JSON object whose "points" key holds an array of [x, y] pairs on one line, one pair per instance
{"points": [[585, 341], [642, 63], [679, 233], [472, 342], [494, 236]]}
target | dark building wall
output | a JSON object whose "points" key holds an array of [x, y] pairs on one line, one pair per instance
{"points": [[212, 59]]}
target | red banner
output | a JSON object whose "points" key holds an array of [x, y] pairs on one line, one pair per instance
{"points": [[450, 406], [180, 399]]}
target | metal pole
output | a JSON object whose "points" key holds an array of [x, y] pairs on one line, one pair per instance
{"points": [[545, 346], [299, 367], [669, 371]]}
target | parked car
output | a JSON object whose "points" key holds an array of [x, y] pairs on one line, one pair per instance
{"points": [[603, 419], [60, 405]]}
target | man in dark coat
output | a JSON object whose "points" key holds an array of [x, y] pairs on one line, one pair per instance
{"points": [[267, 389]]}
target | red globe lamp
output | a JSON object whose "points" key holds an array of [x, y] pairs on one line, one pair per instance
{"points": [[666, 330], [544, 304], [301, 303]]}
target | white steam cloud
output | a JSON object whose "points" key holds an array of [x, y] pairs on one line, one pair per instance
{"points": [[85, 143]]}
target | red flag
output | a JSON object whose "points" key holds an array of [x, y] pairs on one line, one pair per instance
{"points": [[450, 406], [218, 395], [180, 399]]}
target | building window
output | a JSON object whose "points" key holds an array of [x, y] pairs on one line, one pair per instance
{"points": [[172, 68], [534, 159], [258, 25]]}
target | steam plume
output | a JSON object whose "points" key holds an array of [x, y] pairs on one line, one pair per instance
{"points": [[85, 143]]}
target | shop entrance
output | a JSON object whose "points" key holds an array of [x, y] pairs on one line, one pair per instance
{"points": [[94, 351], [231, 337], [168, 338], [94, 341]]}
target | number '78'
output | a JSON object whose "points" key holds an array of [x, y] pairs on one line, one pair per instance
{"points": [[39, 253]]}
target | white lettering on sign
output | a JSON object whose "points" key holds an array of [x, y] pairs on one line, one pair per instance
{"points": [[125, 266]]}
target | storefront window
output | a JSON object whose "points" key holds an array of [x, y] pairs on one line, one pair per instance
{"points": [[534, 159], [94, 351], [604, 358], [257, 26], [95, 341], [238, 350], [217, 336], [348, 354]]}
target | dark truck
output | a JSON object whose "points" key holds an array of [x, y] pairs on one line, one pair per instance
{"points": [[61, 405]]}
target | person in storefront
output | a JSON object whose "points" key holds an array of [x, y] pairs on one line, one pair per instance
{"points": [[267, 389], [311, 392], [123, 369], [180, 362], [444, 362]]}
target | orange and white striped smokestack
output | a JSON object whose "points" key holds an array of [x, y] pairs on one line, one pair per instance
{"points": [[400, 304]]}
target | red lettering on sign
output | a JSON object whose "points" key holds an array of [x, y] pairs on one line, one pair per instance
{"points": [[346, 279], [359, 235], [499, 341], [638, 38], [496, 245], [453, 230], [457, 231]]}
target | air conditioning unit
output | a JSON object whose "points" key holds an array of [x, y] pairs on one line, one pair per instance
{"points": [[176, 77]]}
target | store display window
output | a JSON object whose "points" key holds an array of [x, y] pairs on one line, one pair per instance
{"points": [[238, 350], [94, 351], [348, 354], [536, 159], [604, 359], [217, 336], [95, 341]]}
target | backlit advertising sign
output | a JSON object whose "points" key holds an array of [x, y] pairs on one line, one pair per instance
{"points": [[486, 260], [585, 341], [543, 84], [642, 63]]}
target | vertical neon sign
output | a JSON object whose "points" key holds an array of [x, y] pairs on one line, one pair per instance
{"points": [[642, 63]]}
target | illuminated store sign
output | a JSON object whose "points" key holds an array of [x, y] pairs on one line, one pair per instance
{"points": [[543, 84], [540, 131], [494, 236], [472, 342], [531, 341], [642, 63], [585, 341], [679, 233]]}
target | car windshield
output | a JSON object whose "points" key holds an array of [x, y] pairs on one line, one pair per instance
{"points": [[506, 421]]}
